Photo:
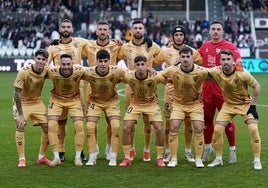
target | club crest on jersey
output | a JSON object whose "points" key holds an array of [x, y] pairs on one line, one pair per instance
{"points": [[218, 50]]}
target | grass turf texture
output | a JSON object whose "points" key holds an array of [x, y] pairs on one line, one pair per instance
{"points": [[139, 174]]}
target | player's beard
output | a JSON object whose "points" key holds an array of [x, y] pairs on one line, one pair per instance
{"points": [[65, 34], [226, 67], [138, 36], [103, 37]]}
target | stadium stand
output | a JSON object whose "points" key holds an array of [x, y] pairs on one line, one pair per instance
{"points": [[32, 24]]}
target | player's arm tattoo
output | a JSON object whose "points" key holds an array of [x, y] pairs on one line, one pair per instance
{"points": [[17, 100]]}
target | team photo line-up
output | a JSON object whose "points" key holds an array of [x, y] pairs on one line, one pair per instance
{"points": [[197, 83]]}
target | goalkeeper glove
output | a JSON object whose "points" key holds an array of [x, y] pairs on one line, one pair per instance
{"points": [[252, 110], [238, 66]]}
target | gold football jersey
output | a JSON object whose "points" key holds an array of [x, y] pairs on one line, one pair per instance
{"points": [[31, 84], [92, 48], [66, 87], [187, 85], [74, 48], [170, 56], [234, 87], [143, 91], [103, 88], [129, 51]]}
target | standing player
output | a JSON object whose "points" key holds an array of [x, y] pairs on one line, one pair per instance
{"points": [[170, 56], [237, 101], [103, 80], [212, 96], [143, 101], [73, 46], [102, 43], [139, 45], [65, 95], [27, 103], [187, 79]]}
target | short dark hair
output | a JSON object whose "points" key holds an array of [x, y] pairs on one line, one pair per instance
{"points": [[65, 20], [138, 22], [216, 22], [43, 52], [103, 23], [227, 52], [140, 58], [66, 56], [186, 50], [102, 54]]}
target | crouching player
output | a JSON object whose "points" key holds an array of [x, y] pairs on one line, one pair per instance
{"points": [[237, 101]]}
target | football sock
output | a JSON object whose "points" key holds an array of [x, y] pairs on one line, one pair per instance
{"points": [[20, 142], [91, 140], [79, 135], [218, 139], [173, 144], [52, 135], [44, 144], [208, 129], [230, 132], [126, 149], [159, 151], [115, 139], [199, 144], [255, 139]]}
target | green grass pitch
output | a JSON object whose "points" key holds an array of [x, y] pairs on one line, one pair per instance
{"points": [[139, 174]]}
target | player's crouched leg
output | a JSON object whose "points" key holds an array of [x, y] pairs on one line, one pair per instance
{"points": [[115, 141], [79, 140], [53, 140]]}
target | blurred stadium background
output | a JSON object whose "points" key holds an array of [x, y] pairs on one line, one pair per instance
{"points": [[27, 25]]}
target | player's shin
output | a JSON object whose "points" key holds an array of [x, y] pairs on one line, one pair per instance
{"points": [[20, 142], [255, 139], [79, 136], [90, 136], [52, 135], [115, 138], [218, 139], [44, 144], [199, 144], [173, 144]]}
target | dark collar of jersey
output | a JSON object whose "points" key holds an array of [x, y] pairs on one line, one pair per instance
{"points": [[66, 42], [102, 44], [228, 74], [176, 47], [142, 78], [32, 66], [189, 70], [100, 73], [66, 76]]}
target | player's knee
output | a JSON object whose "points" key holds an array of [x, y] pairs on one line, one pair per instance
{"points": [[115, 125], [91, 127], [52, 126], [78, 125]]}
